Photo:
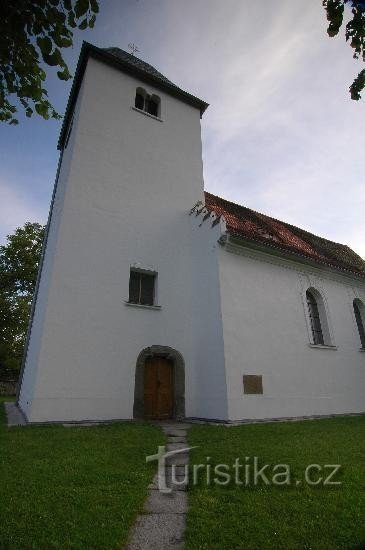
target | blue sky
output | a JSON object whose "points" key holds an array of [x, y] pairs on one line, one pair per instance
{"points": [[281, 135]]}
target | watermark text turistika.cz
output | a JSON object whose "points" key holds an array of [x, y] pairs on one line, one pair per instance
{"points": [[246, 472]]}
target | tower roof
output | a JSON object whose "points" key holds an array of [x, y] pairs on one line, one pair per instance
{"points": [[127, 63]]}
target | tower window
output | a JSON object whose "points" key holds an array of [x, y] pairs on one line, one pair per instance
{"points": [[139, 101], [148, 103], [142, 287], [153, 106], [359, 311], [315, 319]]}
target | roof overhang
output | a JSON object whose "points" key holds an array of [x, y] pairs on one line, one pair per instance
{"points": [[89, 50], [233, 242]]}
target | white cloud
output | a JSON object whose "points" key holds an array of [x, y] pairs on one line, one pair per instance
{"points": [[281, 134]]}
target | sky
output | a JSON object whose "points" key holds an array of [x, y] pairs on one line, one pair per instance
{"points": [[281, 134]]}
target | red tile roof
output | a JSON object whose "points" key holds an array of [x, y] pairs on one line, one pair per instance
{"points": [[253, 226]]}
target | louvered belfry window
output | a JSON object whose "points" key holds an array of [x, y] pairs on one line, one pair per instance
{"points": [[315, 319], [360, 324], [142, 288]]}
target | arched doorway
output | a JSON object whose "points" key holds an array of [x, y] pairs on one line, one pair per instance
{"points": [[159, 390]]}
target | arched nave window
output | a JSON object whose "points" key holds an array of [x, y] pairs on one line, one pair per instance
{"points": [[359, 310], [319, 323]]}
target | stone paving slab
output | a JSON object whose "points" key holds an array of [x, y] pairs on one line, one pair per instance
{"points": [[179, 460], [179, 469], [176, 439], [158, 532], [179, 483], [174, 432], [175, 502], [177, 447], [14, 415]]}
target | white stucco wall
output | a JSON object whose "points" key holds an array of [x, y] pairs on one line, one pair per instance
{"points": [[31, 372], [266, 332], [123, 199], [210, 390]]}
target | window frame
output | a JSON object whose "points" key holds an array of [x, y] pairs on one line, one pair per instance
{"points": [[148, 99], [148, 274], [359, 314], [315, 319], [324, 315]]}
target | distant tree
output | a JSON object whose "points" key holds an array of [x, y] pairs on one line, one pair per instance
{"points": [[32, 31], [19, 259], [355, 34]]}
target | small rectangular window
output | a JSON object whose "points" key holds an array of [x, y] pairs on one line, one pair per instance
{"points": [[252, 384], [142, 288]]}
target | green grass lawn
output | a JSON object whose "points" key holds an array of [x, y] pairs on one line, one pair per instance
{"points": [[287, 517], [6, 398], [73, 487]]}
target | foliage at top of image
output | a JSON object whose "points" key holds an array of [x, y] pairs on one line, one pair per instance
{"points": [[32, 34], [354, 32]]}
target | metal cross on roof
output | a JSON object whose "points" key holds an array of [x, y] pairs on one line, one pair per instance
{"points": [[134, 49]]}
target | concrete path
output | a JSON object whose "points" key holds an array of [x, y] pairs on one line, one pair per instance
{"points": [[162, 525], [14, 415]]}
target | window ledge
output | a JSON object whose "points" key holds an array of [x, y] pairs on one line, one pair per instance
{"points": [[147, 114], [320, 346], [144, 306], [362, 349]]}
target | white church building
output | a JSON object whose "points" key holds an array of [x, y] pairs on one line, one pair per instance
{"points": [[156, 299]]}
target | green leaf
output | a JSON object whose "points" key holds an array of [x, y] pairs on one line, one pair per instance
{"points": [[81, 7], [94, 6], [71, 19], [42, 109], [54, 59], [44, 44], [64, 75], [83, 24], [92, 21], [62, 41]]}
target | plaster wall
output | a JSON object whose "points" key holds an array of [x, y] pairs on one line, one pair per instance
{"points": [[126, 185], [267, 332]]}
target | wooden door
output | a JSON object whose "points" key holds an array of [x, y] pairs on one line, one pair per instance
{"points": [[158, 388]]}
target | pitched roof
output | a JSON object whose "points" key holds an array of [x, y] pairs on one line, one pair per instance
{"points": [[130, 64], [126, 57], [253, 226]]}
